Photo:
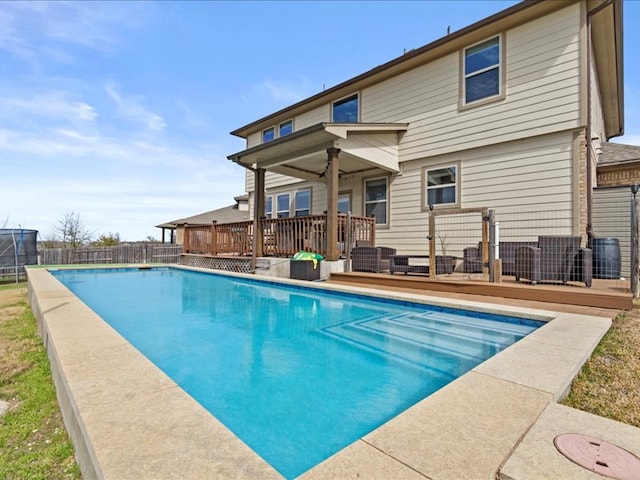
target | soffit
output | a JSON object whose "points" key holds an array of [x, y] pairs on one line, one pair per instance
{"points": [[303, 154]]}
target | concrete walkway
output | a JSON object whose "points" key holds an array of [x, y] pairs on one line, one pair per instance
{"points": [[128, 420]]}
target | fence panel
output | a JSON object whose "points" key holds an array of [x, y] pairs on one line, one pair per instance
{"points": [[121, 254]]}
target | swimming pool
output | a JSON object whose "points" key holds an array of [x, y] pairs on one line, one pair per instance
{"points": [[296, 373]]}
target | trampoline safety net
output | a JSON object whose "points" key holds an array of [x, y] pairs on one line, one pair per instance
{"points": [[18, 247]]}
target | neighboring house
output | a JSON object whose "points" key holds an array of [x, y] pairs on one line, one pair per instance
{"points": [[618, 170], [507, 114], [239, 212]]}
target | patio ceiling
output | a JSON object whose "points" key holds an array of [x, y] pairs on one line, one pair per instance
{"points": [[303, 154]]}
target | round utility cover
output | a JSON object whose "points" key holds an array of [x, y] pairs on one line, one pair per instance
{"points": [[599, 456]]}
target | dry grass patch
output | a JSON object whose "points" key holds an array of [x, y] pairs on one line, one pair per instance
{"points": [[609, 383]]}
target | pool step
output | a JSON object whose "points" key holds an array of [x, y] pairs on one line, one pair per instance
{"points": [[438, 341]]}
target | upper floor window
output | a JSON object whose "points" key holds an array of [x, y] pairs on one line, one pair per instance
{"points": [[345, 110], [285, 128], [302, 203], [482, 77], [283, 205], [268, 134], [442, 185], [268, 207], [375, 199]]}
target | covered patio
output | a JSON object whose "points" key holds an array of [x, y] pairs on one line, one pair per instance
{"points": [[326, 153]]}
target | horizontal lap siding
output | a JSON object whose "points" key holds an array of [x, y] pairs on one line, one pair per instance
{"points": [[542, 93], [312, 117], [611, 217], [528, 183]]}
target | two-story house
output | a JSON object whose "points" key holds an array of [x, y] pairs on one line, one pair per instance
{"points": [[507, 114]]}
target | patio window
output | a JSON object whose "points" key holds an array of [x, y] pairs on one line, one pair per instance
{"points": [[302, 203], [482, 71], [346, 110], [442, 185], [283, 205], [285, 128], [344, 202], [268, 207], [268, 134], [375, 201]]}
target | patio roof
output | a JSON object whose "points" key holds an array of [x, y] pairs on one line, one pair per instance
{"points": [[303, 154]]}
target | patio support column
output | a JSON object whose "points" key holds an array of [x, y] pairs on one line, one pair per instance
{"points": [[258, 213], [332, 203]]}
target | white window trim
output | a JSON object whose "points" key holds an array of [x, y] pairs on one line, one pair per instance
{"points": [[425, 186], [295, 207], [348, 97], [387, 200], [278, 195], [276, 130], [462, 104], [282, 123], [266, 213], [266, 130]]}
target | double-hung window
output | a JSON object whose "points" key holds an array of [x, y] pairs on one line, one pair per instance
{"points": [[302, 203], [375, 199], [442, 185], [285, 128], [268, 134], [283, 205], [268, 207], [346, 110], [344, 202], [482, 70]]}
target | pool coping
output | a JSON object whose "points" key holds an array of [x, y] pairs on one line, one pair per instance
{"points": [[132, 421]]}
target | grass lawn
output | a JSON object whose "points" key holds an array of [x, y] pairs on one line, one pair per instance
{"points": [[609, 383], [34, 443]]}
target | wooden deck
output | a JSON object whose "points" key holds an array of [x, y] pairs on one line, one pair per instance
{"points": [[604, 294]]}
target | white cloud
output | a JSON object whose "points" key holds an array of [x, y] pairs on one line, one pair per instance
{"points": [[42, 31], [286, 92], [132, 108], [51, 104]]}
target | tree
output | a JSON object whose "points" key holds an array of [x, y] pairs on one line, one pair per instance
{"points": [[71, 232], [107, 240]]}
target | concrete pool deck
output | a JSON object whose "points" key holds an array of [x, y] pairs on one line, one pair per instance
{"points": [[127, 419]]}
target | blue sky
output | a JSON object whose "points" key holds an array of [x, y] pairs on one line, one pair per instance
{"points": [[121, 111]]}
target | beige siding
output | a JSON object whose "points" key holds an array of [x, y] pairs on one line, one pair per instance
{"points": [[611, 217], [313, 117], [542, 93], [527, 183], [254, 139], [271, 180]]}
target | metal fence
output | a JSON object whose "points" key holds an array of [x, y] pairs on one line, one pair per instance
{"points": [[544, 235], [136, 253]]}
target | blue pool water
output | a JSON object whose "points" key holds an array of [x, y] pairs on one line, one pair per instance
{"points": [[296, 373]]}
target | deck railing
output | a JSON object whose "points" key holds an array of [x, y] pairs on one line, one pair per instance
{"points": [[282, 237]]}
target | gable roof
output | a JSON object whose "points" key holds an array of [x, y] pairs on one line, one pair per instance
{"points": [[608, 52], [228, 214]]}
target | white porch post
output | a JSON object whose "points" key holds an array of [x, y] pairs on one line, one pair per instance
{"points": [[332, 203]]}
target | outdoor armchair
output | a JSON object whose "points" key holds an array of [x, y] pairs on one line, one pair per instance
{"points": [[371, 259], [555, 259]]}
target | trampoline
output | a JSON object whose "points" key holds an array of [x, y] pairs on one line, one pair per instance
{"points": [[18, 247]]}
